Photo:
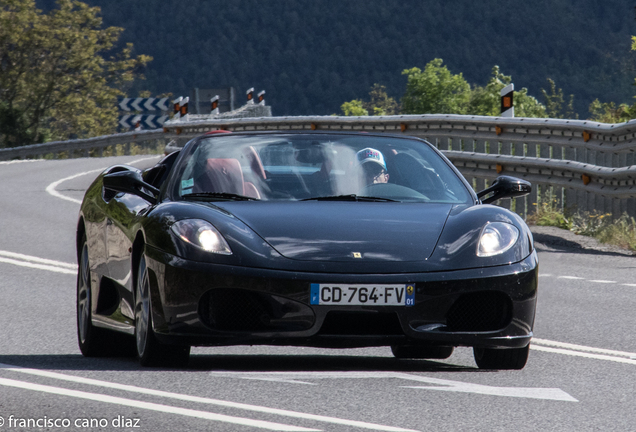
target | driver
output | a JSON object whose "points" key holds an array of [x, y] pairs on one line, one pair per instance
{"points": [[373, 166]]}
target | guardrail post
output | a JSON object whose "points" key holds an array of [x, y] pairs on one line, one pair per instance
{"points": [[622, 206], [532, 198], [545, 193], [456, 144], [469, 145], [520, 203], [480, 183], [505, 148], [630, 205], [581, 196], [569, 194]]}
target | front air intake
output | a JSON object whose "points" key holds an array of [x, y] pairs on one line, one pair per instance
{"points": [[239, 310], [479, 312], [360, 323]]}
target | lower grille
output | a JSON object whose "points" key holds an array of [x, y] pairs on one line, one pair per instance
{"points": [[230, 309], [480, 311], [361, 323]]}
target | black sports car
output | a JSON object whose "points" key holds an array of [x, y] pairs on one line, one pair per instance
{"points": [[308, 239]]}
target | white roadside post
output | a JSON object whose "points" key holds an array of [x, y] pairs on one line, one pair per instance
{"points": [[177, 107], [507, 106], [214, 105], [183, 106]]}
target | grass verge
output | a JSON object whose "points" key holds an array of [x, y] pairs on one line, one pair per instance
{"points": [[620, 232]]}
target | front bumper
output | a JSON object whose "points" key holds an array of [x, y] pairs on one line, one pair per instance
{"points": [[208, 304]]}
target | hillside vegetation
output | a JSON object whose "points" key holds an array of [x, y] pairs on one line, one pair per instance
{"points": [[312, 56]]}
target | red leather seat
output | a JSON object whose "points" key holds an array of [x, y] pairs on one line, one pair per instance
{"points": [[225, 175]]}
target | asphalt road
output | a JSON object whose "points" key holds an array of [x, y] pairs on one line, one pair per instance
{"points": [[581, 375]]}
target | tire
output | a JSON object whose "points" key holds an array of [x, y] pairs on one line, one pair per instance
{"points": [[94, 341], [150, 351], [421, 352], [502, 359]]}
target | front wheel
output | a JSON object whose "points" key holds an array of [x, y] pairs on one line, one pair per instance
{"points": [[94, 341], [503, 359], [90, 338], [149, 350]]}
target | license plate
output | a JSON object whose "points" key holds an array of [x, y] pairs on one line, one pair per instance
{"points": [[370, 295]]}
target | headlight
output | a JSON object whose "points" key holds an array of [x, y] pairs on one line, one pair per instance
{"points": [[496, 238], [202, 235]]}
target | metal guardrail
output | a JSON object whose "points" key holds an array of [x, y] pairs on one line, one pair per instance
{"points": [[585, 165], [85, 147]]}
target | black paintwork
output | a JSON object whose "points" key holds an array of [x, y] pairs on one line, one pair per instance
{"points": [[280, 248]]}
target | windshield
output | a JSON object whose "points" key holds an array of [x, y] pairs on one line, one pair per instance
{"points": [[294, 167]]}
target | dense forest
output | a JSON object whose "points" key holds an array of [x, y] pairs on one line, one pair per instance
{"points": [[311, 56]]}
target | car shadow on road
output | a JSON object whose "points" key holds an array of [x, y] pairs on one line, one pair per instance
{"points": [[239, 363], [321, 363]]}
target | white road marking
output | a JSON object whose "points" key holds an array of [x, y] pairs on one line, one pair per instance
{"points": [[38, 266], [575, 347], [602, 281], [584, 354], [518, 392], [38, 260], [20, 161], [151, 406], [288, 381], [446, 385], [51, 189], [37, 263], [188, 398]]}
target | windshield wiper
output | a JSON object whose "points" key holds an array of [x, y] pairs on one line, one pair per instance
{"points": [[214, 196], [351, 197]]}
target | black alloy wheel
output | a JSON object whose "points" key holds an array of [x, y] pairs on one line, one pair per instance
{"points": [[91, 339], [149, 350], [94, 341]]}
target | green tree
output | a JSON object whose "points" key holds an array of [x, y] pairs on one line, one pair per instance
{"points": [[354, 108], [609, 112], [379, 103], [55, 79], [487, 100], [555, 104], [435, 90]]}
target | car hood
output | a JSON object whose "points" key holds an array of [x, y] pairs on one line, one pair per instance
{"points": [[345, 231]]}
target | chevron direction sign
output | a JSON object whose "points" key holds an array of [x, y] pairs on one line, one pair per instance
{"points": [[144, 104], [146, 121]]}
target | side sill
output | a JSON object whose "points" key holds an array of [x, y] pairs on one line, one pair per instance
{"points": [[111, 324]]}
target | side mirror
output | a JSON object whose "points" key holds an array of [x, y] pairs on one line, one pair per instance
{"points": [[131, 181], [505, 187]]}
